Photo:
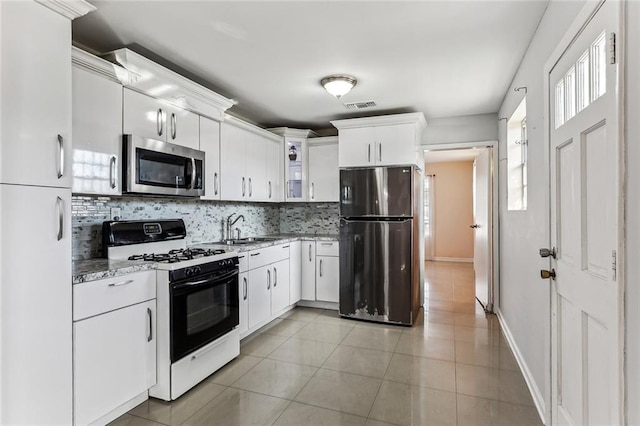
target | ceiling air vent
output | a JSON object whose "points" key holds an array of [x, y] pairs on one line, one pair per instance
{"points": [[360, 105]]}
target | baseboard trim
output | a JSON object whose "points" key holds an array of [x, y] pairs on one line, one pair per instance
{"points": [[318, 304], [452, 259], [537, 396]]}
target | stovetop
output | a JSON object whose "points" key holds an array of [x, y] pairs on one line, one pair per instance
{"points": [[177, 255]]}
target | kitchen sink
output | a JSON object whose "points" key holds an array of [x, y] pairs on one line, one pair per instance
{"points": [[247, 240]]}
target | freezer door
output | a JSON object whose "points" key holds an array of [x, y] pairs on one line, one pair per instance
{"points": [[376, 273], [376, 192]]}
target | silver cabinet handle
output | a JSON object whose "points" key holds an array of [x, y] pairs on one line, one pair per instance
{"points": [[60, 208], [268, 279], [119, 283], [320, 267], [150, 315], [285, 246], [193, 173], [275, 277], [269, 189], [309, 252], [60, 156], [159, 122], [313, 191], [379, 152], [368, 153], [326, 244], [215, 183], [243, 191], [244, 284], [174, 125], [112, 172], [250, 188], [255, 254]]}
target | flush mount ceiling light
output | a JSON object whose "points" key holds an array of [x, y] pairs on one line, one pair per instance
{"points": [[338, 85]]}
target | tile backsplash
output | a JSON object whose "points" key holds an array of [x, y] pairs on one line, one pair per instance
{"points": [[204, 219]]}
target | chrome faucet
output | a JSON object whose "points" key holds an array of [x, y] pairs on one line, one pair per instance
{"points": [[230, 224]]}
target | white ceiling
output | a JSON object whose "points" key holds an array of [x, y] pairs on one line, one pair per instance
{"points": [[443, 58], [450, 155]]}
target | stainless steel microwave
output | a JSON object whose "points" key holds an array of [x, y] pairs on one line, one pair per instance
{"points": [[161, 168]]}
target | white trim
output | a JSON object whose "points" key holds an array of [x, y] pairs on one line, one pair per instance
{"points": [[452, 259], [229, 119], [537, 396], [325, 140], [69, 8], [318, 304], [293, 133], [382, 120], [86, 61]]}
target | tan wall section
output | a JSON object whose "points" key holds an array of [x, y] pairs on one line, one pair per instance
{"points": [[453, 205]]}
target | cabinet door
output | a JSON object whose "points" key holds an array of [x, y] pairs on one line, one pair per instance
{"points": [[295, 272], [210, 144], [324, 175], [274, 172], [114, 359], [356, 147], [36, 96], [36, 305], [259, 296], [97, 134], [256, 168], [295, 169], [327, 278], [233, 183], [395, 144], [280, 286], [243, 282], [308, 257], [144, 116], [183, 127]]}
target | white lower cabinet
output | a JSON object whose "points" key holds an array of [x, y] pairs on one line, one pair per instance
{"points": [[327, 278], [243, 282], [279, 286], [320, 271], [308, 279], [259, 296], [295, 272], [114, 360]]}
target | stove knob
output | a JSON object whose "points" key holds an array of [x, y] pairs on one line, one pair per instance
{"points": [[189, 272], [197, 269]]}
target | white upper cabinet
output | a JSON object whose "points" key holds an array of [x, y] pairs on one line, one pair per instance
{"points": [[97, 126], [380, 141], [233, 181], [36, 96], [324, 175], [274, 171], [156, 119], [210, 144], [256, 167], [296, 162]]}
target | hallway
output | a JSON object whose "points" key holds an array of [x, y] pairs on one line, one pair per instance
{"points": [[312, 367]]}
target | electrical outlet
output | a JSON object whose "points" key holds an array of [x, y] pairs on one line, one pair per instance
{"points": [[116, 212]]}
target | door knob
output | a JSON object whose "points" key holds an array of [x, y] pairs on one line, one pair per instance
{"points": [[474, 226], [545, 274], [545, 252]]}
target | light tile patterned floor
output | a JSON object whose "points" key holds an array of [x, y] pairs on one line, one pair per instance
{"points": [[311, 367]]}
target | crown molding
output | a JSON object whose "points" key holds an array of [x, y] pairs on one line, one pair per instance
{"points": [[288, 132], [157, 81], [265, 133], [86, 61], [71, 9], [324, 140], [416, 118]]}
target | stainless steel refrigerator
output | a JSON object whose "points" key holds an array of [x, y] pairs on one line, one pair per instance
{"points": [[379, 272]]}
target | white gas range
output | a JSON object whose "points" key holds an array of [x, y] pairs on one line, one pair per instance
{"points": [[197, 300]]}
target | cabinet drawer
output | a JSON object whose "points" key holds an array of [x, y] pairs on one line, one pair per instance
{"points": [[268, 255], [96, 297], [327, 248], [243, 262]]}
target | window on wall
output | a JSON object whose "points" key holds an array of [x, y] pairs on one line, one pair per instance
{"points": [[584, 83], [517, 144]]}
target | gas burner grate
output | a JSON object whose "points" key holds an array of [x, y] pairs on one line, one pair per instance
{"points": [[177, 255]]}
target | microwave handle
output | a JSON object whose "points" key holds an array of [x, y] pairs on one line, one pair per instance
{"points": [[193, 173]]}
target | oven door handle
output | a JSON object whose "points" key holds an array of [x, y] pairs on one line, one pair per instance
{"points": [[199, 283]]}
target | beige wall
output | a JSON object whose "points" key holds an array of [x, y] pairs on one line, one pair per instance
{"points": [[453, 209]]}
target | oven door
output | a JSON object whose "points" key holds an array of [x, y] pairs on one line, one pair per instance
{"points": [[157, 167], [203, 308]]}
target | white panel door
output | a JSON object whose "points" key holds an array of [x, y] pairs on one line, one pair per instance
{"points": [[256, 163], [279, 286], [274, 171], [295, 272], [308, 258], [183, 127], [114, 359], [260, 280], [356, 147], [210, 144], [97, 134], [144, 116], [36, 305], [243, 282], [482, 228], [395, 144], [327, 278], [36, 96], [324, 175], [233, 182], [586, 345]]}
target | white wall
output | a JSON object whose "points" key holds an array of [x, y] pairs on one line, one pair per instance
{"points": [[467, 128], [632, 269], [524, 298]]}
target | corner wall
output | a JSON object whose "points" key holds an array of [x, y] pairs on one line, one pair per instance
{"points": [[524, 304]]}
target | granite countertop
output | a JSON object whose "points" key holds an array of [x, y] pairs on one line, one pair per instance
{"points": [[95, 269]]}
